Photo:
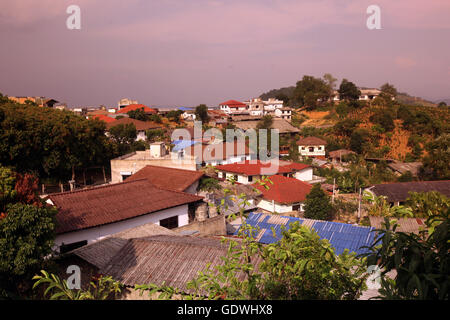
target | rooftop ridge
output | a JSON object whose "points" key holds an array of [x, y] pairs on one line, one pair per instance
{"points": [[110, 185]]}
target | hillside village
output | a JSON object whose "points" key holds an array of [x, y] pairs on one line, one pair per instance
{"points": [[140, 195]]}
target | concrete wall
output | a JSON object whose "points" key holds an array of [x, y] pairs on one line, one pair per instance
{"points": [[133, 165], [275, 207], [304, 175], [97, 233], [211, 226]]}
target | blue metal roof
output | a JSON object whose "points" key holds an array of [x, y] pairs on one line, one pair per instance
{"points": [[340, 235]]}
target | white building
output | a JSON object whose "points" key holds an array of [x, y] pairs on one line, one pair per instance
{"points": [[311, 147], [284, 195], [233, 107], [85, 216], [248, 172]]}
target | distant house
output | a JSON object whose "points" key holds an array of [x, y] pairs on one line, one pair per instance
{"points": [[409, 225], [134, 107], [284, 113], [284, 194], [103, 118], [219, 153], [400, 168], [125, 102], [337, 156], [340, 235], [141, 126], [312, 147], [397, 193], [85, 216], [233, 106], [248, 172], [170, 178]]}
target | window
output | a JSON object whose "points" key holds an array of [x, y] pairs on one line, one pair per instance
{"points": [[72, 246], [319, 148], [235, 177], [303, 148], [296, 207], [250, 178], [169, 223], [311, 149], [125, 176]]}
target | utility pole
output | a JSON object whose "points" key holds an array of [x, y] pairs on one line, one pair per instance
{"points": [[332, 197], [359, 205]]}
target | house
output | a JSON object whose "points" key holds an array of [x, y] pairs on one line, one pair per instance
{"points": [[272, 104], [248, 172], [233, 106], [169, 178], [284, 195], [141, 126], [312, 147], [397, 193], [400, 168], [340, 235], [284, 113], [164, 259], [134, 107], [340, 155], [88, 215], [219, 153]]}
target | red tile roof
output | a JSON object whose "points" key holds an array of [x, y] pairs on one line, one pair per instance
{"points": [[311, 141], [98, 206], [104, 118], [133, 107], [285, 190], [168, 178], [140, 125], [256, 167], [233, 104]]}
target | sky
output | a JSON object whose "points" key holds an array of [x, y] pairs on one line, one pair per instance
{"points": [[178, 52]]}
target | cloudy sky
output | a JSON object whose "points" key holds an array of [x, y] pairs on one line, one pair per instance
{"points": [[179, 52]]}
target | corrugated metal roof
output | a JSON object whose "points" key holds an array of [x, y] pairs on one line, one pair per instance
{"points": [[341, 235]]}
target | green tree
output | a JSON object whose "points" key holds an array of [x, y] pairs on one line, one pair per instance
{"points": [[155, 135], [436, 163], [348, 91], [388, 93], [27, 235], [428, 204], [124, 137], [7, 190], [359, 140], [311, 92], [201, 113], [317, 204], [384, 119], [174, 115], [442, 104], [138, 114]]}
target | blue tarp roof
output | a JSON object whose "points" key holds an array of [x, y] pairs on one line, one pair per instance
{"points": [[183, 144], [340, 235], [185, 108]]}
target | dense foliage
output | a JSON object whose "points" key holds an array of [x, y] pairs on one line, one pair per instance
{"points": [[50, 143], [421, 262]]}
